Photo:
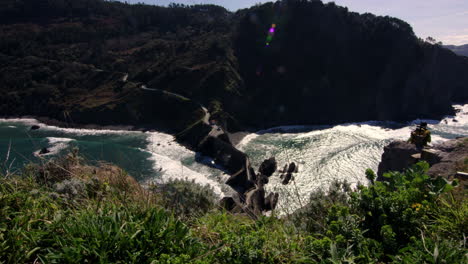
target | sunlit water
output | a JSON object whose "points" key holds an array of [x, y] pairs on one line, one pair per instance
{"points": [[323, 153], [342, 152]]}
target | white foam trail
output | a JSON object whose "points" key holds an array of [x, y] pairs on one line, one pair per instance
{"points": [[76, 131], [26, 121], [174, 169], [246, 140], [168, 155], [341, 152], [460, 119], [82, 131], [55, 146]]}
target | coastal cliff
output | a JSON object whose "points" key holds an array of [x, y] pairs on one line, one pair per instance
{"points": [[87, 63]]}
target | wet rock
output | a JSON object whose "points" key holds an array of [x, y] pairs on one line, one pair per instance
{"points": [[431, 156], [35, 127], [228, 203], [285, 168], [292, 167], [262, 179], [268, 167], [271, 201], [255, 200], [397, 156], [286, 178], [44, 151], [224, 137]]}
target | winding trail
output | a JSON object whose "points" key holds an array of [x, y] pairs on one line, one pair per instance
{"points": [[206, 118]]}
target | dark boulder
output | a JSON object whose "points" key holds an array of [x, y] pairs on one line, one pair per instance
{"points": [[228, 203], [292, 167], [286, 178], [35, 127], [224, 154], [224, 137], [240, 182], [268, 167], [262, 179], [397, 156], [271, 201], [44, 151], [255, 200]]}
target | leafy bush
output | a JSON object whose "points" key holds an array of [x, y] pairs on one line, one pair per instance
{"points": [[393, 211], [186, 199], [410, 218], [242, 240]]}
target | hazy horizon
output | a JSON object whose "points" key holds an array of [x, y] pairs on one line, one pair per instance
{"points": [[446, 20]]}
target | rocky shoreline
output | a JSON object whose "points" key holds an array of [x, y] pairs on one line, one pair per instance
{"points": [[448, 159]]}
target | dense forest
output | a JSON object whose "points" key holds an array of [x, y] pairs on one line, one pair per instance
{"points": [[288, 62]]}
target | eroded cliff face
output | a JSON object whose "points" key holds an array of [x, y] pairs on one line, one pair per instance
{"points": [[87, 62], [327, 65]]}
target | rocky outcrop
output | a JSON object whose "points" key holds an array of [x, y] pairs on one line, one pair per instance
{"points": [[44, 151], [447, 159], [450, 158], [268, 167], [211, 140], [397, 156], [287, 173]]}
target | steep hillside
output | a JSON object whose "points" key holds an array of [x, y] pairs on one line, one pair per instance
{"points": [[460, 50], [86, 61]]}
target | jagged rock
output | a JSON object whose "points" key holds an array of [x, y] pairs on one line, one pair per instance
{"points": [[262, 179], [268, 167], [240, 182], [292, 167], [271, 201], [431, 156], [228, 203], [224, 137], [396, 157], [286, 178], [35, 127], [255, 200], [453, 155], [445, 158], [44, 151], [285, 169]]}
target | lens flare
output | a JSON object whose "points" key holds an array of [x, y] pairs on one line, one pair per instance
{"points": [[271, 34]]}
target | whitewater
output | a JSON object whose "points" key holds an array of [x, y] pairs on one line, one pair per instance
{"points": [[324, 153]]}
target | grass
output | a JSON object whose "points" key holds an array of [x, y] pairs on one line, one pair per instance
{"points": [[69, 212]]}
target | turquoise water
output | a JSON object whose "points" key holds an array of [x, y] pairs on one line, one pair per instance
{"points": [[324, 153], [149, 157], [123, 149]]}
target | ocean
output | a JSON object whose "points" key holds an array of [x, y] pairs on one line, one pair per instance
{"points": [[324, 153]]}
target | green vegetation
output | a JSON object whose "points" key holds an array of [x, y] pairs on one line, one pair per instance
{"points": [[65, 211]]}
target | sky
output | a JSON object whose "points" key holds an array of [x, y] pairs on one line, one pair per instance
{"points": [[444, 20]]}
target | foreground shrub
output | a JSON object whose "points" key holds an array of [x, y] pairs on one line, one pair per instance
{"points": [[186, 199], [239, 239], [100, 215]]}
